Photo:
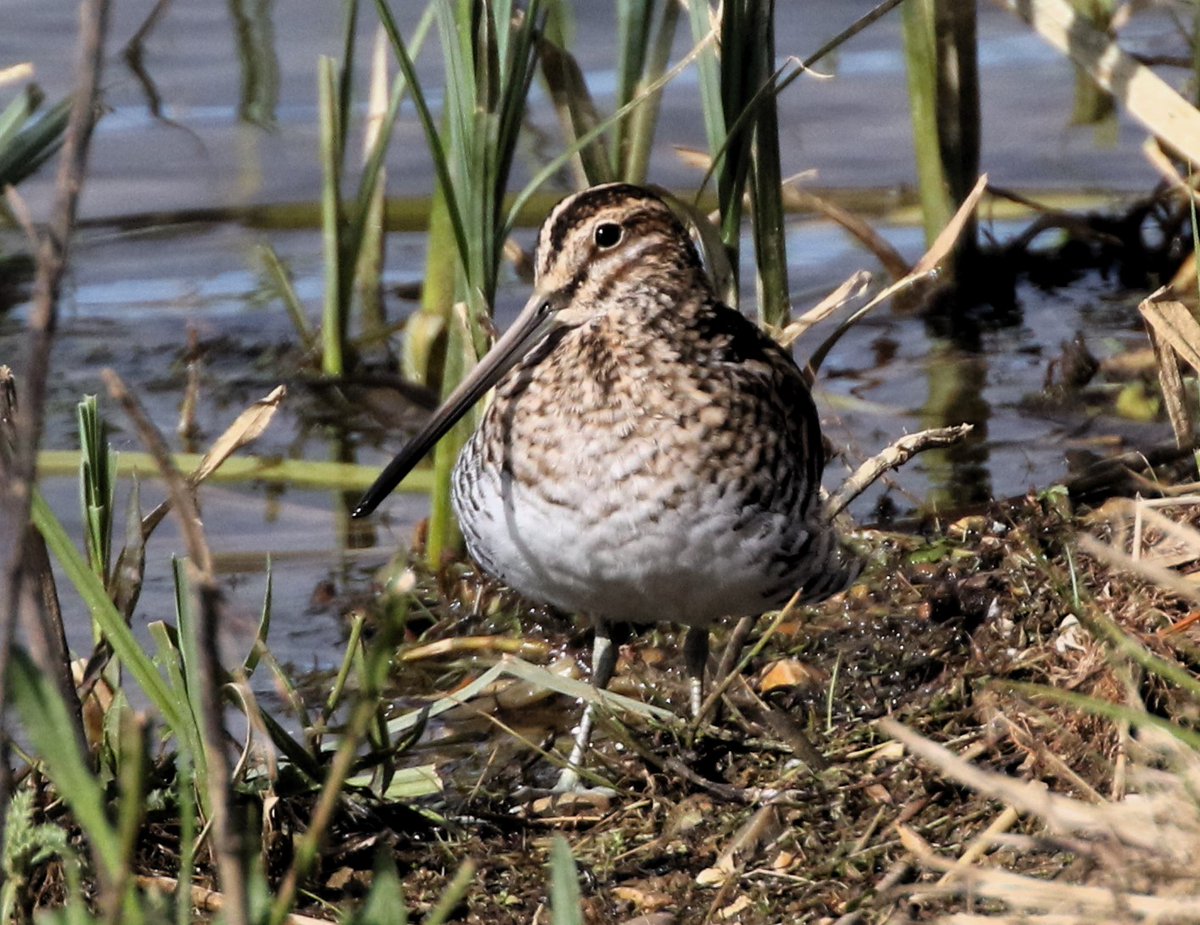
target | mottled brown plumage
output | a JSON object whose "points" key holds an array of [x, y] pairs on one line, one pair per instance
{"points": [[650, 455]]}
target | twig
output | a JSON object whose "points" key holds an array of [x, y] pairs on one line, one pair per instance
{"points": [[893, 457], [38, 609], [18, 472], [741, 631], [981, 844], [205, 900], [227, 834]]}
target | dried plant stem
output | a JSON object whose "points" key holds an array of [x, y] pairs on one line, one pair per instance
{"points": [[18, 473], [893, 457], [205, 900], [227, 837]]}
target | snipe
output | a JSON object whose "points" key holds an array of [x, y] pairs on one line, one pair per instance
{"points": [[650, 455]]}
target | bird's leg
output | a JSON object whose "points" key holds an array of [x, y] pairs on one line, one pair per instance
{"points": [[734, 647], [695, 657], [604, 660]]}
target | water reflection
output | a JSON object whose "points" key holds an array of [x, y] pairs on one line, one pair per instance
{"points": [[959, 474], [254, 41], [255, 34]]}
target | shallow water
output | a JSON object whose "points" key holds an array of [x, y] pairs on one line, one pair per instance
{"points": [[136, 292]]}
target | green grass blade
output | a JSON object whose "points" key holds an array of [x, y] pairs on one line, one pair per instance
{"points": [[373, 168], [264, 627], [708, 68], [770, 242], [33, 145], [432, 139], [345, 78], [281, 284], [333, 324], [577, 114], [384, 904], [643, 121], [920, 53], [334, 700], [443, 535], [130, 806], [105, 615], [170, 657], [18, 112], [97, 486], [297, 473], [424, 344], [1102, 625], [189, 656], [566, 902], [185, 784], [47, 723], [455, 890], [1117, 712], [521, 199], [292, 750], [633, 37]]}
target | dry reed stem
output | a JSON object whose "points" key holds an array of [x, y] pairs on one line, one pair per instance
{"points": [[15, 73], [1165, 578], [1132, 823], [852, 288], [205, 900], [1145, 95], [1175, 336], [18, 473], [38, 608], [227, 835], [1151, 839], [984, 842]]}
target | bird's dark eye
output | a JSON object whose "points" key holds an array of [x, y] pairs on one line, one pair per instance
{"points": [[608, 234]]}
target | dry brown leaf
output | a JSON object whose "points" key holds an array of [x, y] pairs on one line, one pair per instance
{"points": [[853, 288], [246, 429], [944, 243], [891, 259], [644, 899], [786, 672], [1173, 332], [693, 157], [735, 908], [15, 73], [1172, 321]]}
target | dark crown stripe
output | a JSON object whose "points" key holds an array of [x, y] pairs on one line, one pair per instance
{"points": [[590, 202]]}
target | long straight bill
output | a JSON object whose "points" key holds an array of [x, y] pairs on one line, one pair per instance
{"points": [[527, 330]]}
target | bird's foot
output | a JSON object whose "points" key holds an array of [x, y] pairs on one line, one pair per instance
{"points": [[569, 796]]}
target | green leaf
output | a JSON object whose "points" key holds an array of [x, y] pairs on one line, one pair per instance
{"points": [[385, 902], [565, 899], [106, 617], [24, 153], [48, 725]]}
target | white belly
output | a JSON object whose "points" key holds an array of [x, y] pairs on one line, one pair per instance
{"points": [[682, 552]]}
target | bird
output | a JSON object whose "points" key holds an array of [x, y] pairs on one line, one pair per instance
{"points": [[649, 455]]}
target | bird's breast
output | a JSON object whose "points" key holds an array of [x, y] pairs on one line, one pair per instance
{"points": [[633, 494]]}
